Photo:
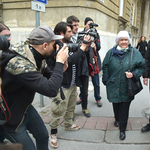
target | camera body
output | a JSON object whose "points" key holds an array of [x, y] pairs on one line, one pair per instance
{"points": [[91, 31], [4, 43], [72, 47]]}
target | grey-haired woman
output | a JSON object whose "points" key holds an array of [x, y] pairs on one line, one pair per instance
{"points": [[115, 74]]}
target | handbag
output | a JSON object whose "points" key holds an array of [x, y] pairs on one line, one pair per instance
{"points": [[134, 87]]}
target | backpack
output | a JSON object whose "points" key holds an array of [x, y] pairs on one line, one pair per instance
{"points": [[5, 55]]}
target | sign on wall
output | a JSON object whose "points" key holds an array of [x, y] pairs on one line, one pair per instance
{"points": [[37, 6], [42, 1], [101, 1]]}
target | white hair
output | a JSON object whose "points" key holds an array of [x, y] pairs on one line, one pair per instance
{"points": [[122, 34]]}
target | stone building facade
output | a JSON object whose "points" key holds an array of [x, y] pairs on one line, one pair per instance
{"points": [[111, 16]]}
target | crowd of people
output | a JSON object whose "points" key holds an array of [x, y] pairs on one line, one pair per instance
{"points": [[50, 67]]}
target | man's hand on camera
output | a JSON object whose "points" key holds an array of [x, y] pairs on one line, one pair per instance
{"points": [[83, 45], [62, 55]]}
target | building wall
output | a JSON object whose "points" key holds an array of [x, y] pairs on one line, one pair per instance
{"points": [[17, 14]]}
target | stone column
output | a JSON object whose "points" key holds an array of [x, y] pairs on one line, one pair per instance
{"points": [[121, 8], [146, 18]]}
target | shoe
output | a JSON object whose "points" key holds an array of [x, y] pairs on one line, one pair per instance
{"points": [[99, 103], [73, 128], [86, 113], [116, 123], [53, 141], [146, 128], [79, 102], [122, 135]]}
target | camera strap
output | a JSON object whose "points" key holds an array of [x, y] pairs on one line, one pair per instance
{"points": [[62, 94], [5, 109]]}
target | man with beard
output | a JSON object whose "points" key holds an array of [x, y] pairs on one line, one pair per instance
{"points": [[75, 23], [63, 106], [22, 77]]}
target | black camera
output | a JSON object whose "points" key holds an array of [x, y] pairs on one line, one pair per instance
{"points": [[5, 52], [72, 47], [4, 47], [92, 32], [4, 43]]}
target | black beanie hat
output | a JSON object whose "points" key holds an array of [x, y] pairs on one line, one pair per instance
{"points": [[87, 19]]}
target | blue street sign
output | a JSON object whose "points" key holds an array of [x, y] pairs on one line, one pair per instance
{"points": [[42, 1]]}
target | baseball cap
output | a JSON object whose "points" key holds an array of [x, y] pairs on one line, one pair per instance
{"points": [[42, 34]]}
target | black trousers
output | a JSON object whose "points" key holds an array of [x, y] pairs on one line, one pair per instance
{"points": [[121, 114], [84, 91]]}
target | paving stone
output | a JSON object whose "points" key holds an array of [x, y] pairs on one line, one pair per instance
{"points": [[102, 119], [47, 119], [101, 126], [143, 124], [45, 112], [112, 137], [128, 127], [89, 125], [136, 126], [80, 120], [112, 119], [96, 136], [41, 114], [143, 120], [111, 126], [134, 120], [92, 119]]}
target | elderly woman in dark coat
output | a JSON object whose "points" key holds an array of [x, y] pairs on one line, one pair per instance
{"points": [[115, 74]]}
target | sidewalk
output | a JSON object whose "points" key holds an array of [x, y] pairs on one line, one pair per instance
{"points": [[98, 131]]}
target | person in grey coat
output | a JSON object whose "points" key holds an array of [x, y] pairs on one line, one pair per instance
{"points": [[115, 74]]}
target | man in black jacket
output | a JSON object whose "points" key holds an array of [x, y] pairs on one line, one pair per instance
{"points": [[22, 77], [64, 107], [146, 75], [94, 70]]}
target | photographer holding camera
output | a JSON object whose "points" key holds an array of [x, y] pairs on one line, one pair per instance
{"points": [[63, 106], [25, 74], [93, 66]]}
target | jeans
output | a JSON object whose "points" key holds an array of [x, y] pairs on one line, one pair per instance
{"points": [[96, 84], [35, 125]]}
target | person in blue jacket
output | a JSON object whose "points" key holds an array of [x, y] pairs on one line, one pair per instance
{"points": [[115, 74]]}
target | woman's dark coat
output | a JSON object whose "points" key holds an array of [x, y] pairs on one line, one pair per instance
{"points": [[114, 74]]}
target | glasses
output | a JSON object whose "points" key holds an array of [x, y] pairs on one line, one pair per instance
{"points": [[75, 25]]}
